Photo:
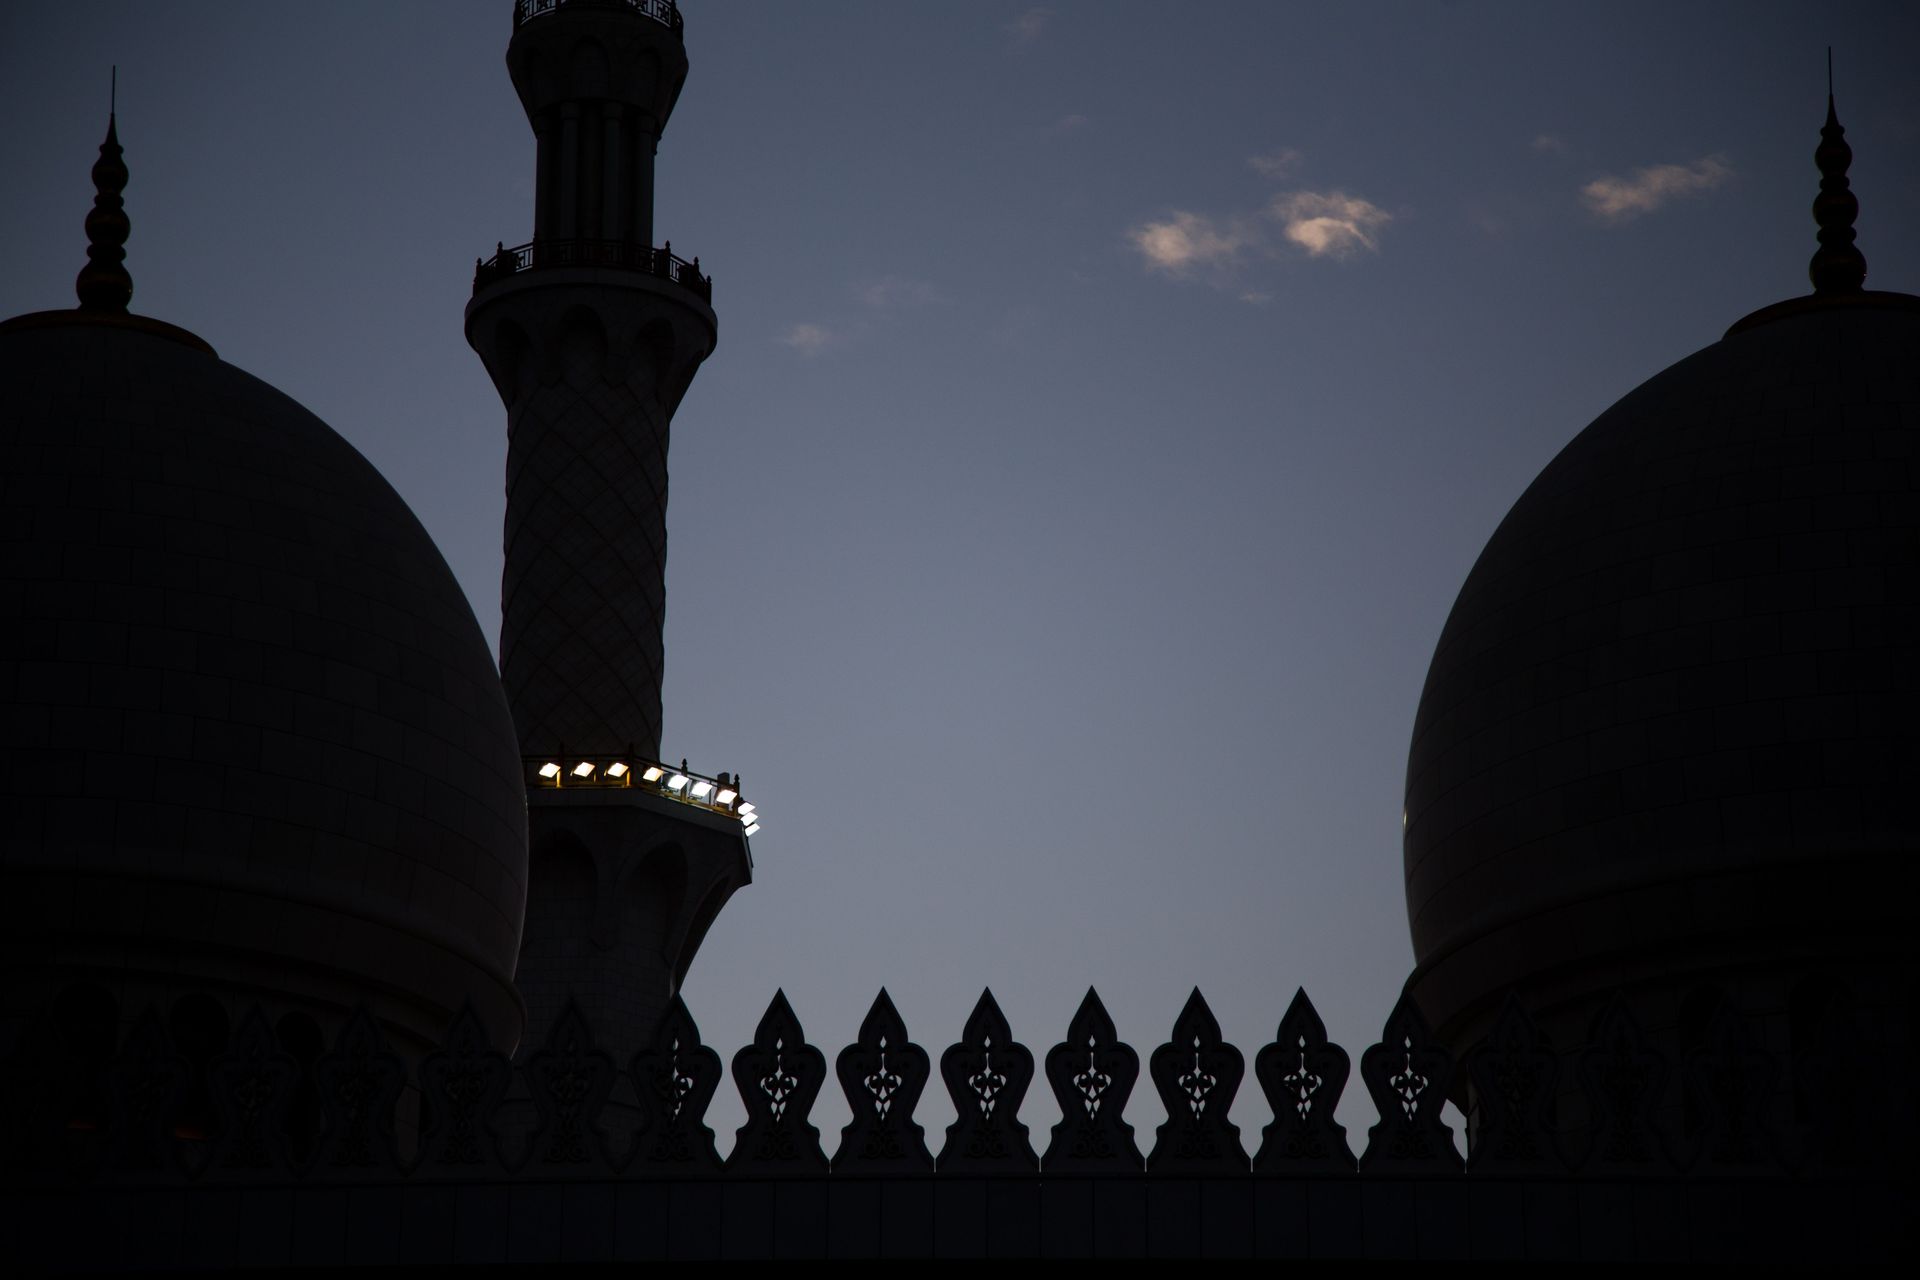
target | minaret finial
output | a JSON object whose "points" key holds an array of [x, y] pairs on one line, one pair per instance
{"points": [[104, 284], [1837, 266]]}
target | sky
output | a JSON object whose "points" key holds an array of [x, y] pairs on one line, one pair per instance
{"points": [[1110, 400]]}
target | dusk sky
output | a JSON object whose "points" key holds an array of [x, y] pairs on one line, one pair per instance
{"points": [[1109, 403]]}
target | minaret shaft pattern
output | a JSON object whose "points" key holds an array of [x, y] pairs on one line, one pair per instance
{"points": [[591, 336]]}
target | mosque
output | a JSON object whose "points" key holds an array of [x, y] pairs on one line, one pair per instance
{"points": [[269, 793]]}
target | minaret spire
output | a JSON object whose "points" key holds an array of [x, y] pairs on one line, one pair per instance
{"points": [[104, 284], [1837, 266]]}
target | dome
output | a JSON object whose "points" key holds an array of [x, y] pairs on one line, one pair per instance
{"points": [[1669, 725], [253, 740]]}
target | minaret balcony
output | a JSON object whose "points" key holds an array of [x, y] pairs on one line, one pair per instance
{"points": [[665, 12], [619, 255]]}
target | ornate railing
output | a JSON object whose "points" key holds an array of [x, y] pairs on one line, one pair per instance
{"points": [[621, 255], [571, 771], [665, 12]]}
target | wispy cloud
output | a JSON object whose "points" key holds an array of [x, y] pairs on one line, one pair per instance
{"points": [[1329, 224], [1187, 241], [895, 293], [1255, 298], [1616, 199], [1275, 164], [1549, 142], [807, 339], [1026, 29]]}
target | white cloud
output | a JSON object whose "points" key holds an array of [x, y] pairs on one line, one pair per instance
{"points": [[1330, 224], [1623, 199], [1189, 240], [807, 339], [1255, 298], [892, 293], [1549, 142], [1027, 29], [1275, 164]]}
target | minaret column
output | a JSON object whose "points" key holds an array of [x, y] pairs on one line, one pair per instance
{"points": [[592, 337]]}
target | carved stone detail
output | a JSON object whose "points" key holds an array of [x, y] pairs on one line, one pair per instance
{"points": [[251, 1084], [1303, 1075], [675, 1081], [1197, 1075], [462, 1086], [1622, 1075], [145, 1084], [778, 1075], [987, 1075], [569, 1080], [1513, 1072], [1408, 1074], [883, 1074], [1733, 1077], [1092, 1075], [359, 1083]]}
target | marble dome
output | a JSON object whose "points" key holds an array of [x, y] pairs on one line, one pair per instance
{"points": [[252, 740], [1669, 730]]}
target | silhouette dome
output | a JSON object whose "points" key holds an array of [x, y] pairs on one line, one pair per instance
{"points": [[254, 740], [1669, 725]]}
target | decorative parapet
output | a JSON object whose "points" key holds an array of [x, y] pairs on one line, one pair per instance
{"points": [[665, 12], [612, 255], [254, 1107]]}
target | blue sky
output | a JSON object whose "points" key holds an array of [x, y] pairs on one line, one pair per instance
{"points": [[1110, 400]]}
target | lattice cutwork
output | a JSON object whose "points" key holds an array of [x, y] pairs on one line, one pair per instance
{"points": [[1408, 1073], [778, 1075], [883, 1074], [675, 1081], [1303, 1076], [1197, 1074], [1092, 1075], [987, 1075]]}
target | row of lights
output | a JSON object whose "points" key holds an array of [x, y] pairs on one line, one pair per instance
{"points": [[709, 793]]}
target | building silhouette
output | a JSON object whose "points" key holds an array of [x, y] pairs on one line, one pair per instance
{"points": [[326, 941]]}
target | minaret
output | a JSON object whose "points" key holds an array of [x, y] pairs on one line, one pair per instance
{"points": [[592, 336]]}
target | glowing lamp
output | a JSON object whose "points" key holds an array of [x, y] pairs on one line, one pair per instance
{"points": [[677, 781], [549, 770], [653, 774], [583, 770], [616, 770], [727, 796], [701, 789], [746, 810], [750, 830]]}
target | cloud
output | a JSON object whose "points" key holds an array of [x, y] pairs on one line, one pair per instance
{"points": [[1624, 199], [1255, 298], [1330, 224], [807, 339], [1549, 142], [1189, 240], [1027, 29], [893, 293], [1275, 164]]}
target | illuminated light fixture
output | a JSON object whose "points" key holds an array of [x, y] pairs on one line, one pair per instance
{"points": [[653, 774], [746, 810], [583, 770], [701, 789], [677, 781], [750, 830], [549, 770], [727, 796], [616, 770]]}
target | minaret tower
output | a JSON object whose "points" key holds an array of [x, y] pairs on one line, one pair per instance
{"points": [[592, 336]]}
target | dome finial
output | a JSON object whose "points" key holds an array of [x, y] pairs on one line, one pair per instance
{"points": [[104, 284], [1837, 266]]}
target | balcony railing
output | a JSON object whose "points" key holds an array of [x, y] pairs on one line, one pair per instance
{"points": [[665, 12], [566, 771], [621, 255]]}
